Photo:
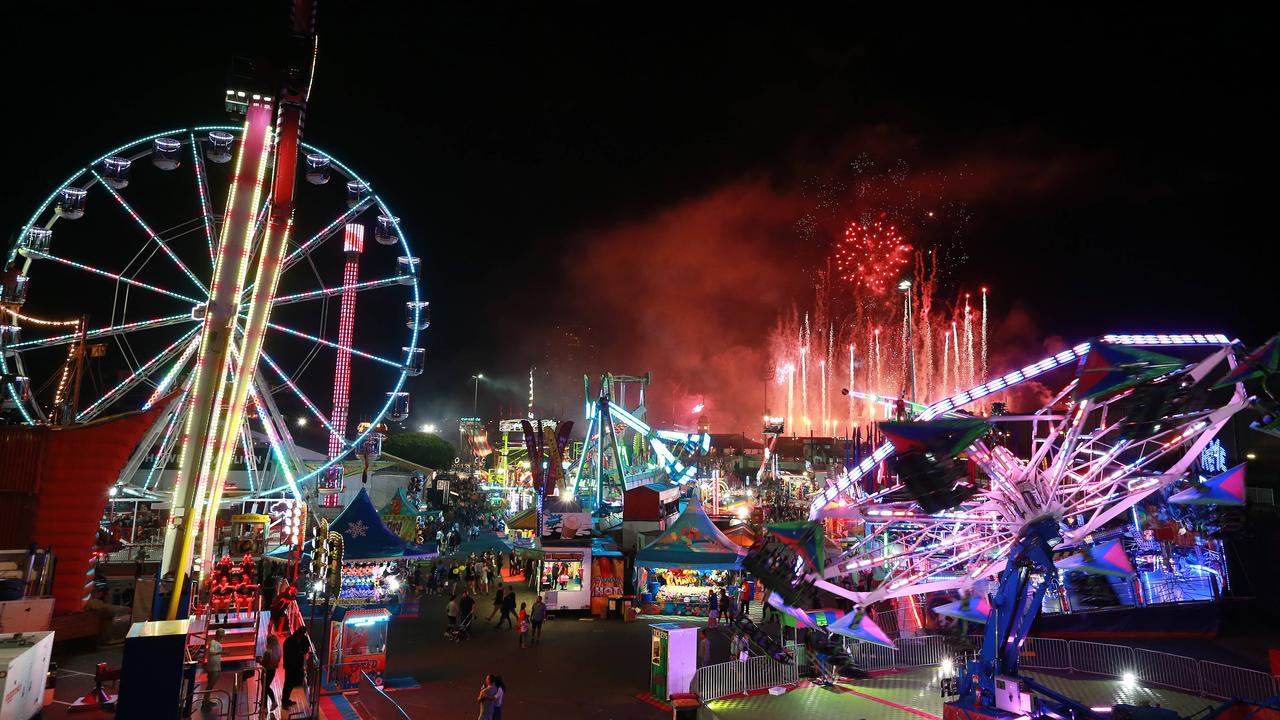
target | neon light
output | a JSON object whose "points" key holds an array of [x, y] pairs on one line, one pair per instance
{"points": [[328, 230], [353, 245], [150, 233], [201, 186], [1195, 339], [167, 380], [336, 346], [113, 276], [102, 332], [298, 392], [130, 381], [332, 291]]}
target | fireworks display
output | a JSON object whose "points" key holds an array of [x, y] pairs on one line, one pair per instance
{"points": [[886, 326], [872, 256]]}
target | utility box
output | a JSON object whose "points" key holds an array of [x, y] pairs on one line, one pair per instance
{"points": [[1010, 697], [673, 659], [24, 670], [152, 670]]}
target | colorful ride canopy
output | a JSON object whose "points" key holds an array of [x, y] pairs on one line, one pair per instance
{"points": [[692, 542]]}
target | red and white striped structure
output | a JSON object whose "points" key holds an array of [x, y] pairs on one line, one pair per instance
{"points": [[352, 245]]}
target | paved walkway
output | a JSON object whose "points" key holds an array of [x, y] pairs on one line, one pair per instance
{"points": [[583, 668]]}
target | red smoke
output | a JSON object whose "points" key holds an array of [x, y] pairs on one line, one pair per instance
{"points": [[691, 293]]}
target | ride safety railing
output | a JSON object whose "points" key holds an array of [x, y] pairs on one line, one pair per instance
{"points": [[374, 702], [1148, 667], [736, 677]]}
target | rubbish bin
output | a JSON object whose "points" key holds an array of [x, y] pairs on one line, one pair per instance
{"points": [[615, 607]]}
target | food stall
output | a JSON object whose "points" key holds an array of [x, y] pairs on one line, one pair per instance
{"points": [[564, 570], [374, 564], [686, 562]]}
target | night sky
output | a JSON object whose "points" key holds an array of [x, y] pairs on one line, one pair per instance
{"points": [[608, 187]]}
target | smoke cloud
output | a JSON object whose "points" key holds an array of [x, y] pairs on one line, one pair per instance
{"points": [[692, 292]]}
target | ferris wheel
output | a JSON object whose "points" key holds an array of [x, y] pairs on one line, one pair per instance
{"points": [[108, 282], [1127, 423]]}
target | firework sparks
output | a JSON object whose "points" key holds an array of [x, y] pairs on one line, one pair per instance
{"points": [[872, 255]]}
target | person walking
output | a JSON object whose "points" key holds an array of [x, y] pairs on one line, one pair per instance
{"points": [[497, 604], [295, 656], [270, 664], [704, 647], [212, 666], [451, 611], [488, 694], [748, 590], [508, 609], [713, 608], [466, 606], [501, 695], [536, 617], [727, 606], [522, 626]]}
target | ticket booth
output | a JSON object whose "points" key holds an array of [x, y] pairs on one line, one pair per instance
{"points": [[673, 659], [357, 643]]}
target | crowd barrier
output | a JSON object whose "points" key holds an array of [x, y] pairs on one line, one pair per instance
{"points": [[376, 703], [1146, 667]]}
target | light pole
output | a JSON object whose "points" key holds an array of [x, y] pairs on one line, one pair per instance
{"points": [[475, 396], [905, 287]]}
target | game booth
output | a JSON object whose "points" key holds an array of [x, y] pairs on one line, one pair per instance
{"points": [[564, 569], [373, 563], [401, 515], [690, 559], [522, 529]]}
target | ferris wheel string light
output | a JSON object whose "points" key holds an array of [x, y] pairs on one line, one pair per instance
{"points": [[163, 361]]}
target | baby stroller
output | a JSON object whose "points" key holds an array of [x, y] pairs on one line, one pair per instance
{"points": [[462, 630]]}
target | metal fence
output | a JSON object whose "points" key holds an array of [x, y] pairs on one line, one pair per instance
{"points": [[910, 652], [734, 677], [1149, 667], [1226, 681], [377, 703]]}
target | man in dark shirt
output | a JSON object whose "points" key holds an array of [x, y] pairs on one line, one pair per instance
{"points": [[466, 605], [508, 609]]}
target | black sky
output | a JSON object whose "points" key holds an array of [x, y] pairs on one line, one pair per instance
{"points": [[505, 135]]}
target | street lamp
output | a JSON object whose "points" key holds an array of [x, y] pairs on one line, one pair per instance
{"points": [[905, 287], [475, 396]]}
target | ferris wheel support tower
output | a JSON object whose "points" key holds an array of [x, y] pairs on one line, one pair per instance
{"points": [[225, 370]]}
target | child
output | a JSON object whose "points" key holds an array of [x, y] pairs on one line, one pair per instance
{"points": [[522, 626]]}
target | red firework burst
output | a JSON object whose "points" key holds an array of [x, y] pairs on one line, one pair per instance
{"points": [[872, 255]]}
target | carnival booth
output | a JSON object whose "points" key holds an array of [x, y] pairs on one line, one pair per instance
{"points": [[401, 515], [522, 529], [692, 558], [608, 570], [564, 570], [372, 566]]}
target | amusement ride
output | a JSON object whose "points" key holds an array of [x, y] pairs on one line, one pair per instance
{"points": [[1130, 421], [188, 271]]}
